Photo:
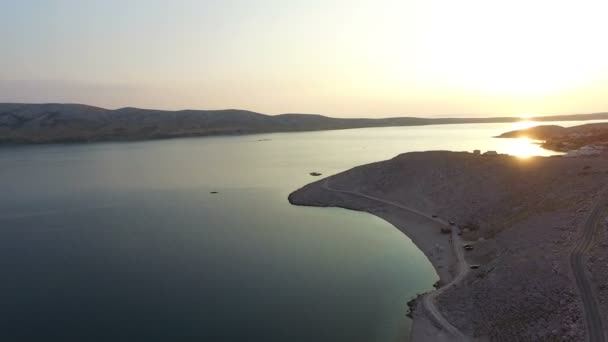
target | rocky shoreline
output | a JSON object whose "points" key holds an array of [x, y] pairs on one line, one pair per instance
{"points": [[527, 215]]}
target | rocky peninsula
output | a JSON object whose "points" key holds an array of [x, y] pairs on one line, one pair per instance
{"points": [[565, 139], [531, 232]]}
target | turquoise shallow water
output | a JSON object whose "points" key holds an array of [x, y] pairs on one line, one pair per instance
{"points": [[124, 242]]}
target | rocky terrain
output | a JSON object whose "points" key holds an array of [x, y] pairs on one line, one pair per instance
{"points": [[50, 123], [522, 217], [598, 267], [562, 139]]}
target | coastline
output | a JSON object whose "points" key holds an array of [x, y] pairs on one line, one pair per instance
{"points": [[522, 218], [437, 248], [49, 123], [424, 232]]}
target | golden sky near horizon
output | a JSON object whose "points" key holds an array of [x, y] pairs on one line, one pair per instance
{"points": [[340, 58]]}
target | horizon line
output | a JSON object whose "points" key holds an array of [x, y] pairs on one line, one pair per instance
{"points": [[525, 117]]}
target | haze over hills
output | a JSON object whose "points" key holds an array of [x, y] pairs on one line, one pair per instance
{"points": [[54, 123]]}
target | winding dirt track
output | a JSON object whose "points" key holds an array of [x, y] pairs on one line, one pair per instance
{"points": [[593, 319], [428, 299]]}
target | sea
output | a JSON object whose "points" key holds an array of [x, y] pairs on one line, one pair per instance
{"points": [[194, 240]]}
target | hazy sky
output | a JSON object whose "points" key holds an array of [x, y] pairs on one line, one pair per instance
{"points": [[340, 58]]}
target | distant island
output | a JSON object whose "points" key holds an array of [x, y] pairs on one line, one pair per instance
{"points": [[519, 244], [60, 123]]}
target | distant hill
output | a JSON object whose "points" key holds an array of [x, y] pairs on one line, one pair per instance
{"points": [[544, 132], [563, 139], [541, 132], [53, 123]]}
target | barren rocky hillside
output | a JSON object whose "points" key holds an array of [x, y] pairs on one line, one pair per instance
{"points": [[523, 217]]}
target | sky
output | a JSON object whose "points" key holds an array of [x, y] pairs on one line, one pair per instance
{"points": [[368, 58]]}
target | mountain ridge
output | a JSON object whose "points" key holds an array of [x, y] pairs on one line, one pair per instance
{"points": [[22, 123]]}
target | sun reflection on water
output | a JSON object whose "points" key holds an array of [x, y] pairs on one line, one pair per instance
{"points": [[521, 147], [523, 124]]}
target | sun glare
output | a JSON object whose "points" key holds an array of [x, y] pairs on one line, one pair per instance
{"points": [[522, 147], [523, 124]]}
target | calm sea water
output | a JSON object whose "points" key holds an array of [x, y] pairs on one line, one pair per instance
{"points": [[124, 242]]}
